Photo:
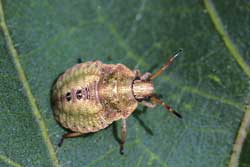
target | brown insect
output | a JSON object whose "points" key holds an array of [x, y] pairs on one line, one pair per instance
{"points": [[90, 96]]}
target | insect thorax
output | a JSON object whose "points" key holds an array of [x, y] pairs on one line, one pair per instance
{"points": [[115, 91]]}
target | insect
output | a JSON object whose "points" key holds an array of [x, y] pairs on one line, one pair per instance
{"points": [[90, 96]]}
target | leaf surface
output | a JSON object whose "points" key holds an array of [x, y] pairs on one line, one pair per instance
{"points": [[208, 84]]}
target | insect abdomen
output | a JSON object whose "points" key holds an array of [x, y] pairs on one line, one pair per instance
{"points": [[77, 104]]}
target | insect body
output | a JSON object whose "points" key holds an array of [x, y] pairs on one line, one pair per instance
{"points": [[90, 96]]}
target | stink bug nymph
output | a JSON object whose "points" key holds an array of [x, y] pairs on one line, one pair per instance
{"points": [[90, 96]]}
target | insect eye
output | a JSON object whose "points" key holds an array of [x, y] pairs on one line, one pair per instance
{"points": [[68, 96], [79, 94]]}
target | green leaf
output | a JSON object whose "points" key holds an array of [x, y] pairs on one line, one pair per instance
{"points": [[244, 159], [208, 85]]}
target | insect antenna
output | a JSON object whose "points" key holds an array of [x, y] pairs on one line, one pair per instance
{"points": [[165, 66], [158, 101]]}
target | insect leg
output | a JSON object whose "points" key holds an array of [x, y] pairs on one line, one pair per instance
{"points": [[165, 66], [158, 101], [69, 135], [148, 104], [145, 76], [123, 136]]}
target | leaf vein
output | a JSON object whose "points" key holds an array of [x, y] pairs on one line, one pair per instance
{"points": [[190, 89], [9, 161], [152, 154], [240, 138], [138, 164], [233, 49], [23, 79]]}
